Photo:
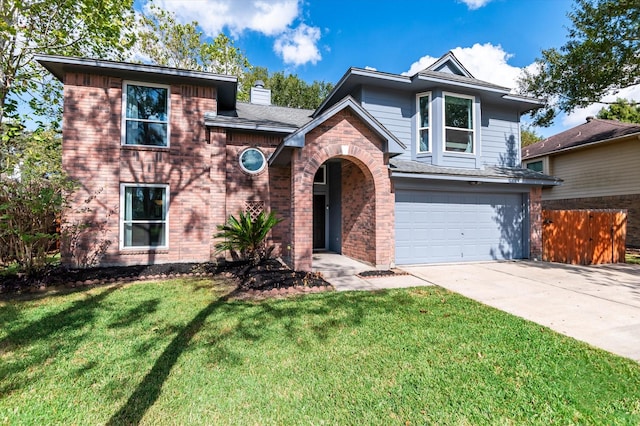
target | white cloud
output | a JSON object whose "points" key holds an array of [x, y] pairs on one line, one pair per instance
{"points": [[267, 17], [484, 61], [299, 46], [475, 4], [273, 18]]}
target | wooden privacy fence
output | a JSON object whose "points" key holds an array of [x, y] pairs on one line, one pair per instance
{"points": [[584, 237]]}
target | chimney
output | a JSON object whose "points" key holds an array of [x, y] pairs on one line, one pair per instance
{"points": [[260, 95]]}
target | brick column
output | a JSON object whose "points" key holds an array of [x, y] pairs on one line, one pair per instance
{"points": [[535, 223]]}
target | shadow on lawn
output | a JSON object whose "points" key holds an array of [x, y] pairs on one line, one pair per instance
{"points": [[67, 321], [252, 328], [149, 389]]}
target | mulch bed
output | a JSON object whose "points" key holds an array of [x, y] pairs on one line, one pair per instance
{"points": [[269, 278]]}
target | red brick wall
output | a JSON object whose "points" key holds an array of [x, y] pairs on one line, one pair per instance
{"points": [[630, 202], [358, 214], [243, 187], [344, 136], [280, 184], [535, 223], [93, 155]]}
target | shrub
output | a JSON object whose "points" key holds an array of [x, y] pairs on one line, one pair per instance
{"points": [[33, 192], [245, 237]]}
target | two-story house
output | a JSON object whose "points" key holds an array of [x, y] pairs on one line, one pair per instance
{"points": [[389, 170]]}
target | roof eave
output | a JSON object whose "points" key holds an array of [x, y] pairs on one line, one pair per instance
{"points": [[250, 126], [476, 179], [58, 66]]}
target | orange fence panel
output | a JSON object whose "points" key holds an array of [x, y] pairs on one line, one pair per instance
{"points": [[584, 237]]}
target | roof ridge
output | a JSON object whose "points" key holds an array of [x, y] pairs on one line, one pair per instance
{"points": [[616, 122]]}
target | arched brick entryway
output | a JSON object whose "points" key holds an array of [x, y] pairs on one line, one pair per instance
{"points": [[367, 218]]}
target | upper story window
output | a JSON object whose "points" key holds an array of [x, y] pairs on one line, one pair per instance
{"points": [[424, 118], [145, 114], [459, 121]]}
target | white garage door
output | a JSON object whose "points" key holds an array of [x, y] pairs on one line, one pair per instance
{"points": [[433, 226]]}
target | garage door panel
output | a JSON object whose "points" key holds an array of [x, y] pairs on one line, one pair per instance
{"points": [[447, 227]]}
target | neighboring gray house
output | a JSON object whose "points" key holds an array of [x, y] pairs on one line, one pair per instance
{"points": [[599, 162]]}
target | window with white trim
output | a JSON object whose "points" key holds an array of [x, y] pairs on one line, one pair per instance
{"points": [[252, 160], [459, 119], [536, 166], [143, 215], [423, 107], [145, 114]]}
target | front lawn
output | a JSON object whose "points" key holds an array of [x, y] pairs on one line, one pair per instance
{"points": [[179, 352]]}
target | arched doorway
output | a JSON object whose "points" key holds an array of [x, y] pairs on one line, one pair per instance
{"points": [[344, 209]]}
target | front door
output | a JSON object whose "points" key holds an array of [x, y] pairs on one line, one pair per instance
{"points": [[319, 221]]}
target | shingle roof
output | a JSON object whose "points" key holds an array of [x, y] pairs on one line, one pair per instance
{"points": [[594, 130], [499, 173], [254, 116]]}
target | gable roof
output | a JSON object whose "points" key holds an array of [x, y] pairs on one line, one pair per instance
{"points": [[226, 85], [268, 118], [450, 64], [297, 139], [594, 130], [446, 73]]}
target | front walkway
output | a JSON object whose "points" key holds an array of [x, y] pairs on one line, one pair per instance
{"points": [[341, 272]]}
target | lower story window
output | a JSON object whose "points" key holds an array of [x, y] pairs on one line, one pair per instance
{"points": [[536, 166], [144, 211]]}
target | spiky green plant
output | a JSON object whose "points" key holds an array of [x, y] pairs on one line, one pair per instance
{"points": [[247, 236]]}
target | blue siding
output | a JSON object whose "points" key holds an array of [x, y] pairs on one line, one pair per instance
{"points": [[500, 137], [394, 111], [497, 130]]}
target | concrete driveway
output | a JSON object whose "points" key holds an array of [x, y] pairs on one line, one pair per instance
{"points": [[599, 305]]}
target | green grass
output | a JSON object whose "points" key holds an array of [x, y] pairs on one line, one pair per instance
{"points": [[633, 258], [177, 352]]}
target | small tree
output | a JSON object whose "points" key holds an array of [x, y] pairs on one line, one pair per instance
{"points": [[33, 192], [247, 236]]}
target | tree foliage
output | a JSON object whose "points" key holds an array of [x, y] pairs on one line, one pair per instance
{"points": [[33, 190], [93, 28], [164, 41], [289, 90], [621, 110], [169, 43], [601, 56], [528, 136]]}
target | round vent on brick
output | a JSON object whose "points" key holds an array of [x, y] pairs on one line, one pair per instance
{"points": [[252, 160]]}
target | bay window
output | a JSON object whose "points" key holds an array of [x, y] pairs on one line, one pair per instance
{"points": [[459, 123], [424, 119]]}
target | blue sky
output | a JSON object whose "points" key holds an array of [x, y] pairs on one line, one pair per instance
{"points": [[321, 39]]}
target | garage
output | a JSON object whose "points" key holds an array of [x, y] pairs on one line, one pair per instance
{"points": [[457, 226]]}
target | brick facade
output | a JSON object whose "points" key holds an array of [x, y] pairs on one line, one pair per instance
{"points": [[367, 200], [535, 223], [94, 157], [630, 202]]}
